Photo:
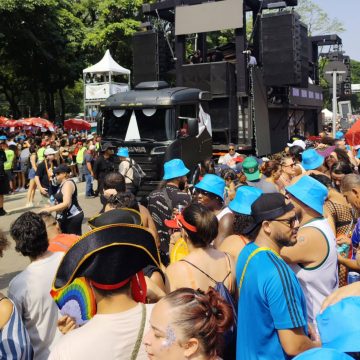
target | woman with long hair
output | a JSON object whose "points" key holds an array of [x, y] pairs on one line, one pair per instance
{"points": [[205, 265]]}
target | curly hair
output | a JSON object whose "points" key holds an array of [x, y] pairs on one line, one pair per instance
{"points": [[29, 233], [205, 316], [4, 242]]}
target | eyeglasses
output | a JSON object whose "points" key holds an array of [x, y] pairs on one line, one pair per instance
{"points": [[289, 222]]}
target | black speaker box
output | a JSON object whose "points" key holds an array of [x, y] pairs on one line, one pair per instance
{"points": [[284, 50], [217, 78], [151, 56]]}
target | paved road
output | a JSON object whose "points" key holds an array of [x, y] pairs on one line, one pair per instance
{"points": [[12, 262]]}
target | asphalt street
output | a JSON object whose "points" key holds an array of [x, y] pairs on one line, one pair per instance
{"points": [[12, 262]]}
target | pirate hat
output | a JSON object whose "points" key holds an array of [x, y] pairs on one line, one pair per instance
{"points": [[116, 216], [108, 256]]}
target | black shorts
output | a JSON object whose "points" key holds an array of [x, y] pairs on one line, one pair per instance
{"points": [[4, 185]]}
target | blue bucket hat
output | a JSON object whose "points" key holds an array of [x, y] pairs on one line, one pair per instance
{"points": [[311, 159], [174, 168], [245, 196], [339, 325], [124, 152], [339, 135], [213, 184], [310, 192], [321, 353], [3, 138]]}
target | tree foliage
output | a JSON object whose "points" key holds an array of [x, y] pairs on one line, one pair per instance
{"points": [[317, 20]]}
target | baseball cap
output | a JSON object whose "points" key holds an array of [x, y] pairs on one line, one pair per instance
{"points": [[62, 168], [107, 145], [250, 168], [268, 207], [50, 151], [300, 143]]}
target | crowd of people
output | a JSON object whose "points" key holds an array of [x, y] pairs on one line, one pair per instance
{"points": [[246, 258]]}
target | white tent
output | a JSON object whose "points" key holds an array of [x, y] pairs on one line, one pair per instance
{"points": [[327, 114], [107, 65]]}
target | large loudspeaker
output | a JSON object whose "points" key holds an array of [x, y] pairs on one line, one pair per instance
{"points": [[151, 56], [217, 78], [284, 50]]}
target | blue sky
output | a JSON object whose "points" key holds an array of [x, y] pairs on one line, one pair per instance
{"points": [[348, 12]]}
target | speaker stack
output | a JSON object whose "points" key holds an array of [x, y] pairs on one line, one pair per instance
{"points": [[151, 56], [284, 50]]}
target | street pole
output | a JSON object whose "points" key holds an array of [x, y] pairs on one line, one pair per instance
{"points": [[334, 104], [334, 99]]}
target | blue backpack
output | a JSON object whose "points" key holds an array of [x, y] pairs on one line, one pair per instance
{"points": [[230, 335]]}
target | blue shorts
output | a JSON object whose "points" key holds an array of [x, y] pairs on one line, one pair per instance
{"points": [[31, 174]]}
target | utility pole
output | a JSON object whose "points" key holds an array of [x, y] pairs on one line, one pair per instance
{"points": [[335, 71]]}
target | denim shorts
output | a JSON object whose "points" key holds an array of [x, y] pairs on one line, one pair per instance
{"points": [[31, 174]]}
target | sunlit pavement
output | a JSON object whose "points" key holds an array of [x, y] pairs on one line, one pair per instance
{"points": [[12, 262]]}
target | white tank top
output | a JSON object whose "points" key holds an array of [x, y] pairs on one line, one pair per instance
{"points": [[319, 282], [223, 212]]}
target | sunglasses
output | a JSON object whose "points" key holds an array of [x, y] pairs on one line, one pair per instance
{"points": [[205, 193], [289, 222], [231, 149]]}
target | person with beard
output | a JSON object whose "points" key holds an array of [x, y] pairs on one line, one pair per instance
{"points": [[167, 200], [314, 258], [271, 309]]}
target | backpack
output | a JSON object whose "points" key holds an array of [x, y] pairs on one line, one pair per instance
{"points": [[230, 335], [138, 173]]}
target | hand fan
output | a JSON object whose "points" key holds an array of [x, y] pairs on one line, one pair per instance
{"points": [[76, 300]]}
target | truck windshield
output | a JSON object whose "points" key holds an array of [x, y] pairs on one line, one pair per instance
{"points": [[155, 124]]}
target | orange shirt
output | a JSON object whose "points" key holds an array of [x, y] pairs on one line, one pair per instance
{"points": [[62, 242]]}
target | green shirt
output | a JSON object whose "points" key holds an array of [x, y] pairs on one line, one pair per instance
{"points": [[40, 154], [8, 165], [80, 155]]}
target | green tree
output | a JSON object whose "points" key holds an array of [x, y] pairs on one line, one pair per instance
{"points": [[317, 20]]}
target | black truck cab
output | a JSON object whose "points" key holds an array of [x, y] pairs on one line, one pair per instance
{"points": [[157, 123]]}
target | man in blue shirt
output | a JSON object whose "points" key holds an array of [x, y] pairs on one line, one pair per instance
{"points": [[272, 307]]}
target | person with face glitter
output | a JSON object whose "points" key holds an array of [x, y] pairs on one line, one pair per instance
{"points": [[188, 324]]}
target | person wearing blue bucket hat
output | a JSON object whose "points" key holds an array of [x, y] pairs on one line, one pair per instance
{"points": [[312, 160], [241, 207], [339, 325], [339, 135], [320, 353], [314, 257], [164, 203], [210, 193], [126, 168]]}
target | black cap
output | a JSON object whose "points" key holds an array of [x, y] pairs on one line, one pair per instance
{"points": [[268, 207], [62, 168], [107, 145]]}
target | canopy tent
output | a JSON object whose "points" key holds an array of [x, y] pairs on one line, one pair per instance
{"points": [[107, 65], [327, 114]]}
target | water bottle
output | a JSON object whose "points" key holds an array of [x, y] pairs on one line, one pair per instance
{"points": [[353, 277], [52, 200]]}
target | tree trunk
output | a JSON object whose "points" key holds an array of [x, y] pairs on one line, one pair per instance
{"points": [[63, 107]]}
